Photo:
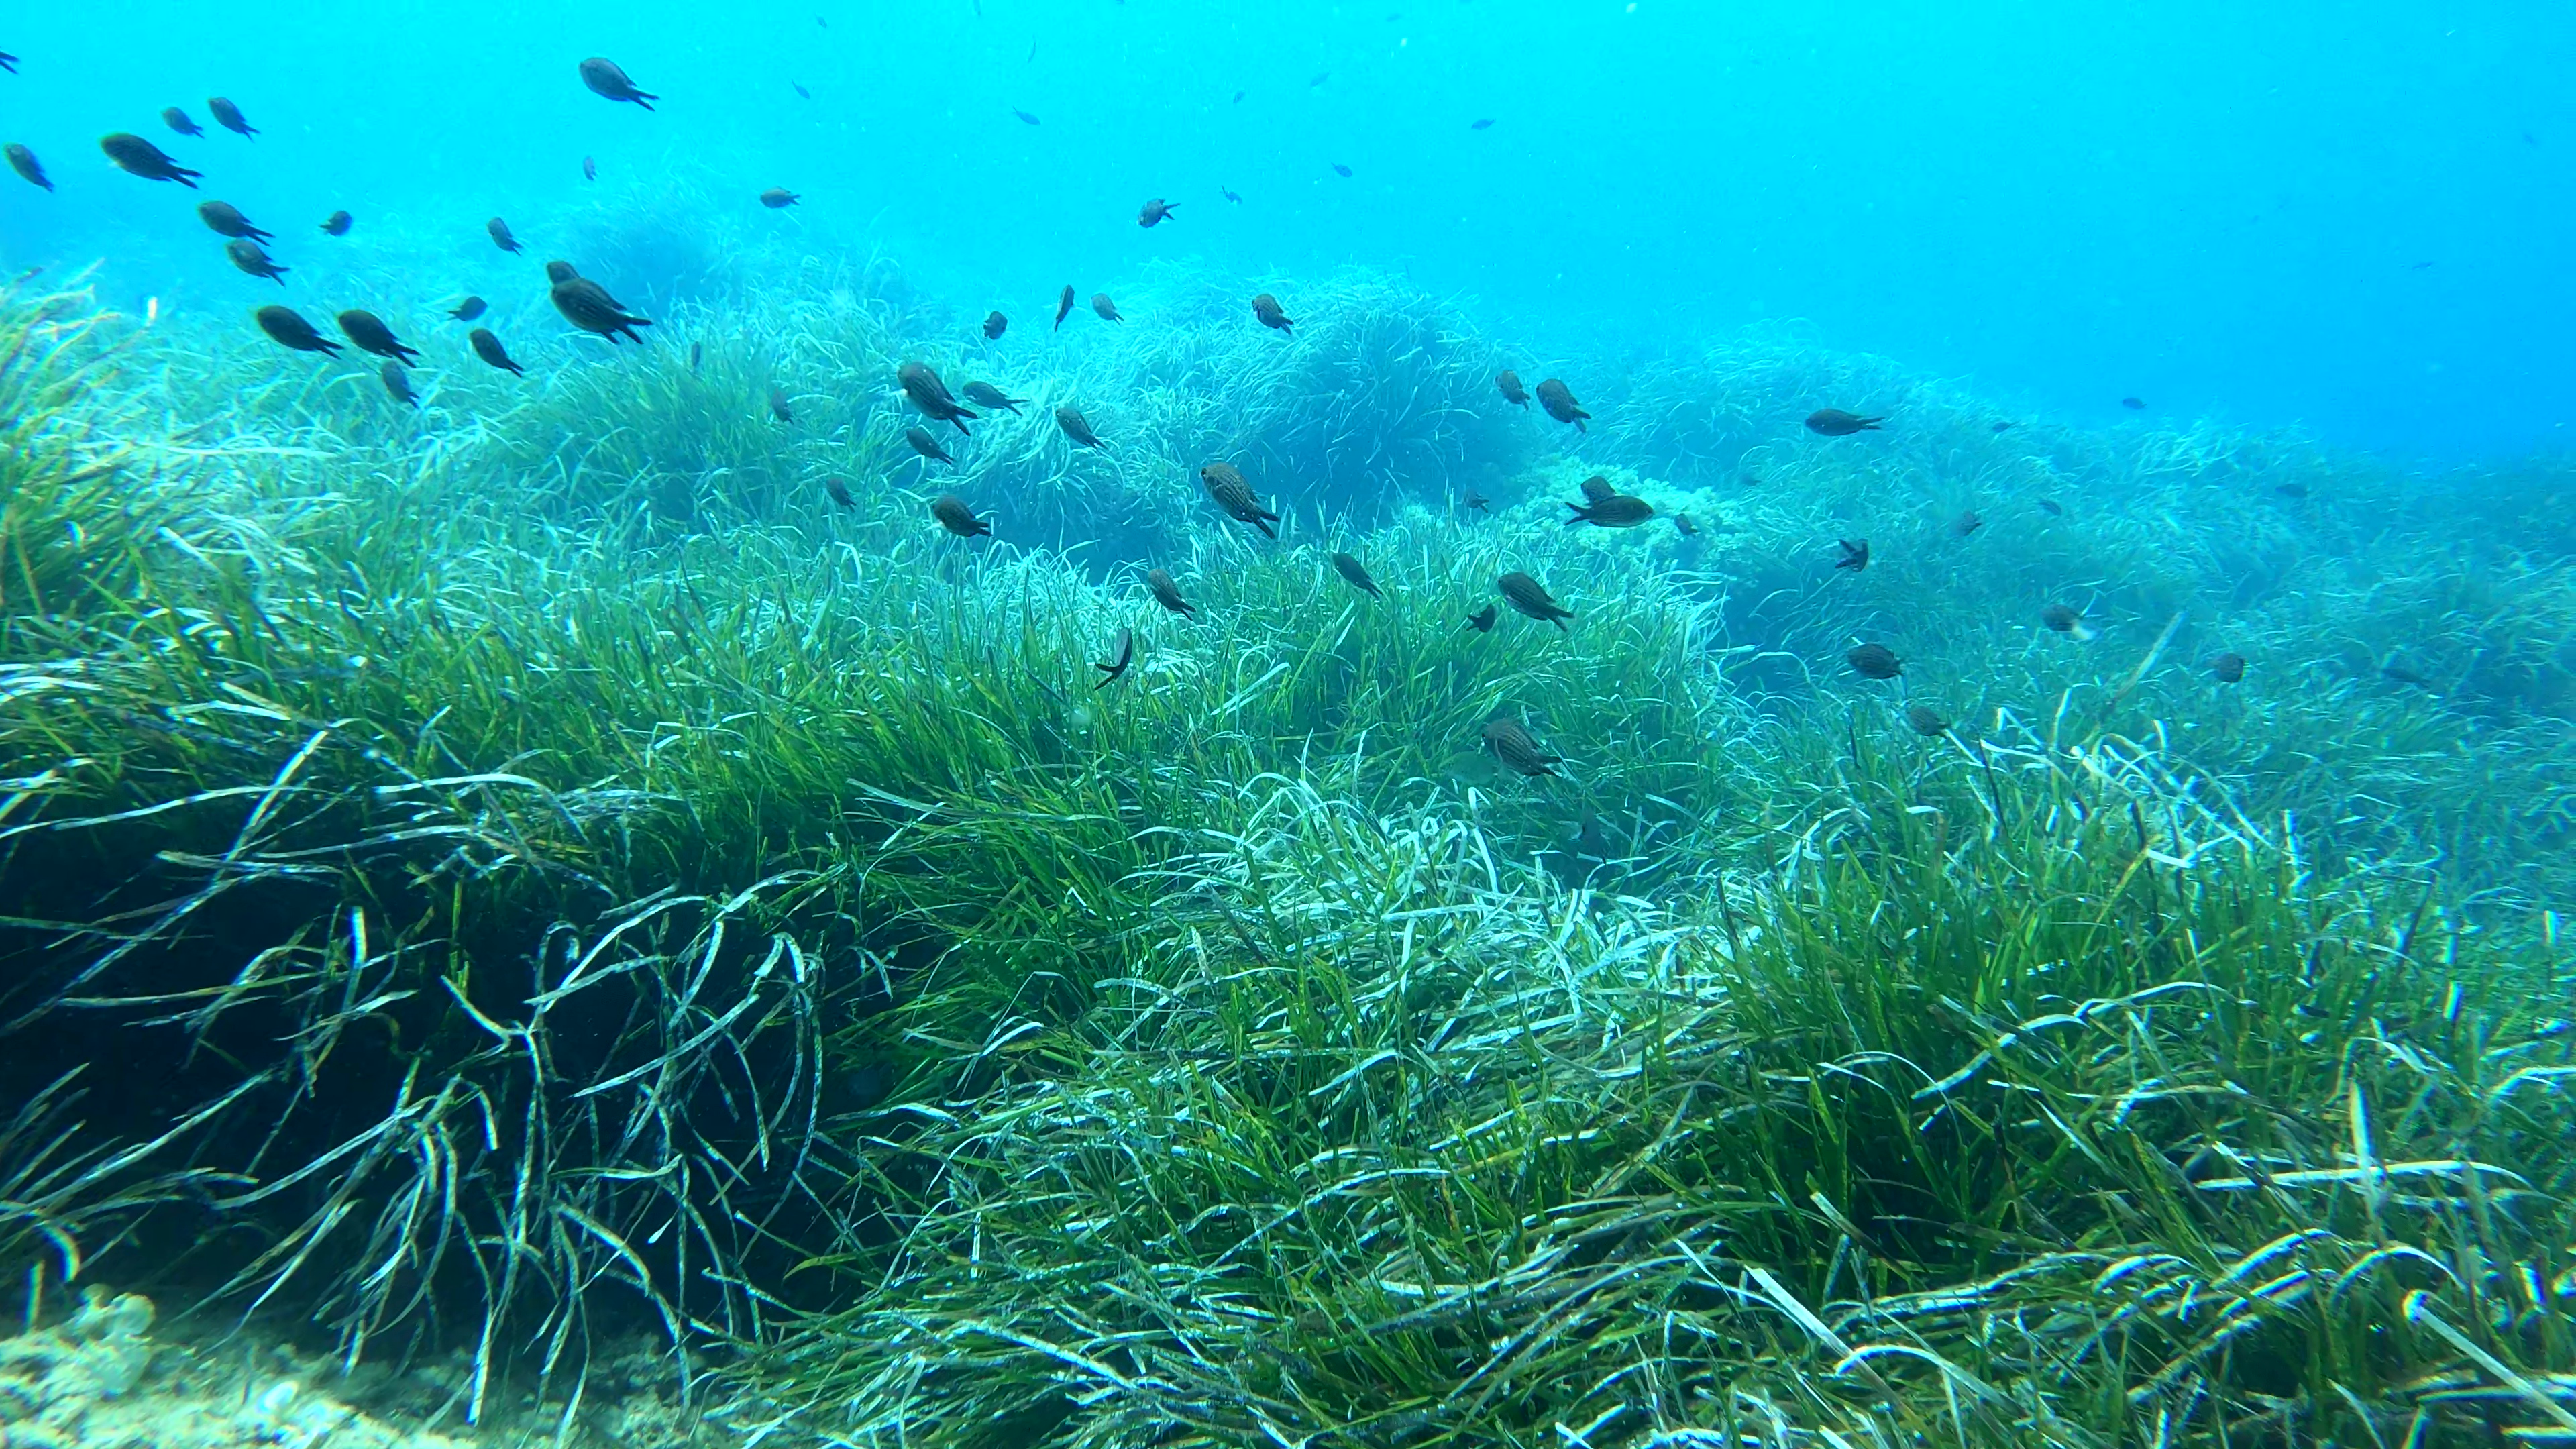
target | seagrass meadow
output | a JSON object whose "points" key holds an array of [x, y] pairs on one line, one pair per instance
{"points": [[532, 878]]}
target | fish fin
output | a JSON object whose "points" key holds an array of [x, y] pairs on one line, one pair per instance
{"points": [[1266, 530]]}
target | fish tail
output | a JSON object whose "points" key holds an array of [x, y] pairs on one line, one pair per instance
{"points": [[1266, 530]]}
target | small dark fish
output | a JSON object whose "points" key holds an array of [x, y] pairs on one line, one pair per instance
{"points": [[177, 120], [2006, 426], [777, 197], [1486, 124], [337, 224], [9, 63], [287, 328], [229, 116], [1168, 593], [1524, 595], [1063, 306], [1875, 661], [1076, 426], [2404, 675], [778, 406], [1266, 308], [926, 445], [1239, 95], [1966, 523], [2052, 508], [398, 383], [587, 305], [2062, 619], [500, 234], [489, 348], [1559, 401], [24, 162], [957, 518], [1597, 489], [370, 333], [2421, 267], [1226, 486], [469, 309], [1478, 501], [801, 92], [246, 255], [984, 394], [1358, 575], [1119, 658], [1341, 170], [137, 157], [1513, 393], [2134, 404], [1926, 720], [697, 354], [1319, 80], [2291, 490], [605, 79], [1482, 621], [1230, 196], [2228, 667], [1155, 213], [28, 275], [1835, 423], [1616, 511], [994, 325], [1107, 309], [1026, 119], [839, 492], [1513, 746], [1683, 522], [1855, 554], [930, 395], [225, 219]]}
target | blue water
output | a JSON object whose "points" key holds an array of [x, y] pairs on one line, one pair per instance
{"points": [[2348, 218]]}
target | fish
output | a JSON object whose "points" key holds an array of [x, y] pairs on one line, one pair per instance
{"points": [[2134, 404], [1107, 309], [1855, 554], [589, 168], [957, 518], [469, 309], [1513, 746], [587, 305], [984, 394], [927, 445], [1875, 661], [1559, 401], [1026, 119], [287, 328], [370, 333], [994, 325], [1966, 523], [1156, 212], [1230, 196], [801, 92], [2052, 508], [1683, 522], [177, 120], [9, 63], [1926, 720], [337, 224], [778, 405], [1239, 95], [225, 219], [1225, 484], [1266, 308], [1835, 423], [605, 79], [1120, 656], [1482, 621], [1341, 170], [697, 354], [930, 394], [24, 162], [778, 197], [2403, 675], [1167, 593], [1358, 575], [489, 348], [2291, 490], [1510, 383], [1319, 79], [2006, 426], [137, 157], [2062, 619], [1525, 595], [247, 255], [839, 492], [1076, 426], [1597, 489], [2228, 667], [1477, 501], [1485, 124], [397, 383], [229, 116], [1063, 306], [1616, 511], [499, 231]]}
